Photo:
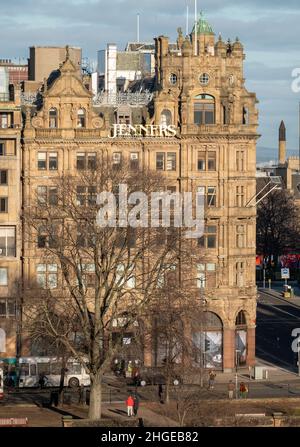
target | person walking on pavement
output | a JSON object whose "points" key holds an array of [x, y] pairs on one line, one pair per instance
{"points": [[243, 390], [211, 381], [160, 393], [230, 389], [136, 403], [130, 404]]}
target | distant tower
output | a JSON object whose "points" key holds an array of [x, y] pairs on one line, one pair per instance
{"points": [[282, 144]]}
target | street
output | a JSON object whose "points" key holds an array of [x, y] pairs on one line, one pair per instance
{"points": [[276, 319]]}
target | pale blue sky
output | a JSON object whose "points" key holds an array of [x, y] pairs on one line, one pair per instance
{"points": [[268, 29]]}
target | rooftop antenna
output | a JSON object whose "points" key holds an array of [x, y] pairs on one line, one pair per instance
{"points": [[195, 30], [187, 20], [138, 28]]}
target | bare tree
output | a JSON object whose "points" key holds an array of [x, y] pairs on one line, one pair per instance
{"points": [[277, 224], [100, 277]]}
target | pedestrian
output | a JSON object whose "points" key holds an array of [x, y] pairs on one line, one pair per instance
{"points": [[243, 390], [136, 403], [130, 403], [160, 393], [211, 380], [42, 380], [122, 368], [129, 369], [230, 389]]}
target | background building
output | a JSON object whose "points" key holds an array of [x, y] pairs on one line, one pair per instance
{"points": [[10, 209]]}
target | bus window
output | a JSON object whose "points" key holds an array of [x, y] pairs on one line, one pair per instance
{"points": [[55, 368], [74, 368], [43, 368], [33, 370], [24, 369]]}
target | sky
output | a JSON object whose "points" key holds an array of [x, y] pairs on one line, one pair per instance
{"points": [[268, 30]]}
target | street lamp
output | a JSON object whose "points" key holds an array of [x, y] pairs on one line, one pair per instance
{"points": [[237, 351], [202, 339]]}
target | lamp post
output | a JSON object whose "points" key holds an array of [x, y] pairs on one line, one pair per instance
{"points": [[237, 351], [202, 339]]}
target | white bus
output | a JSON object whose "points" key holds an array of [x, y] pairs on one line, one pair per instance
{"points": [[31, 368]]}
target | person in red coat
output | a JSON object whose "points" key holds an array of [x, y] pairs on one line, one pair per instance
{"points": [[130, 404]]}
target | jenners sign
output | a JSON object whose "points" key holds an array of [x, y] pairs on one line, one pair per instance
{"points": [[149, 130]]}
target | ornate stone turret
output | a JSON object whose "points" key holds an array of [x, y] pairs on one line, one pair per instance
{"points": [[205, 36], [237, 48], [220, 47]]}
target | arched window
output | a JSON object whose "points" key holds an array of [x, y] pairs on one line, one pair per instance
{"points": [[240, 339], [2, 340], [204, 109], [245, 115], [166, 118], [53, 118], [240, 319], [81, 118], [207, 336]]}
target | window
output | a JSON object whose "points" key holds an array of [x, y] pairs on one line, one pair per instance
{"points": [[42, 160], [206, 161], [42, 237], [209, 239], [91, 160], [160, 161], [116, 159], [80, 160], [3, 177], [123, 275], [241, 319], [3, 120], [42, 195], [88, 275], [240, 161], [210, 194], [7, 308], [86, 195], [53, 118], [7, 241], [47, 195], [166, 118], [206, 275], [3, 204], [53, 160], [3, 276], [241, 236], [53, 195], [245, 116], [240, 196], [204, 110], [2, 340], [173, 79], [47, 276], [240, 266], [81, 118], [134, 161], [2, 148], [204, 79], [171, 161]]}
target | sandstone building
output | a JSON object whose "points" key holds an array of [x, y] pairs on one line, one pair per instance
{"points": [[199, 88]]}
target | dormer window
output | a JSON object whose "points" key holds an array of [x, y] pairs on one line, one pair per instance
{"points": [[81, 118], [53, 118], [204, 110]]}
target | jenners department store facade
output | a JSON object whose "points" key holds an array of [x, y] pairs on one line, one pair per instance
{"points": [[199, 129]]}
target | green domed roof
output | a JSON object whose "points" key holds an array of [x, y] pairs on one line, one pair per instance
{"points": [[203, 27]]}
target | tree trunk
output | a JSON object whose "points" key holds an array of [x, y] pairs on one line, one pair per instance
{"points": [[95, 398], [62, 382]]}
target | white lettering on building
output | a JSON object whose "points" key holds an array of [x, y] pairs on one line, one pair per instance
{"points": [[149, 130]]}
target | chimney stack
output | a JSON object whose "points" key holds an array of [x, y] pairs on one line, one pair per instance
{"points": [[282, 144]]}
